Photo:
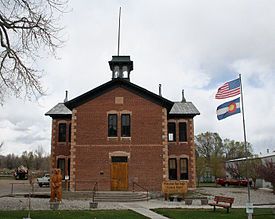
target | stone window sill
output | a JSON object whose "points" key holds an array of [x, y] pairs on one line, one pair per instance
{"points": [[112, 138]]}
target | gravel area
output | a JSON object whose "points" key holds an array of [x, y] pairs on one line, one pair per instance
{"points": [[20, 203], [259, 196], [240, 194]]}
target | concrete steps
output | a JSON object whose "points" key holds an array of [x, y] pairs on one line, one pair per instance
{"points": [[120, 196], [107, 196]]}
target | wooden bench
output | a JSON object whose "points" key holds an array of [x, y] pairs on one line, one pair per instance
{"points": [[221, 201]]}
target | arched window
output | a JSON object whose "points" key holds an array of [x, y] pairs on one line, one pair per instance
{"points": [[70, 131], [171, 131], [112, 125], [183, 168], [62, 132], [125, 125], [172, 168]]}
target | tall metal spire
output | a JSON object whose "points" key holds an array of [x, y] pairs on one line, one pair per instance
{"points": [[118, 38], [121, 66]]}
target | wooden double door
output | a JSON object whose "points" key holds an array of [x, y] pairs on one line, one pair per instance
{"points": [[119, 173]]}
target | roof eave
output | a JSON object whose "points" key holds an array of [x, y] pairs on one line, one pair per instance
{"points": [[192, 115], [54, 116], [111, 85]]}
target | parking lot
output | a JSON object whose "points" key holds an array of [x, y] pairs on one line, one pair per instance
{"points": [[239, 193], [8, 186], [264, 196]]}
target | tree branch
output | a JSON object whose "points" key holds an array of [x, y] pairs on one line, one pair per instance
{"points": [[25, 26]]}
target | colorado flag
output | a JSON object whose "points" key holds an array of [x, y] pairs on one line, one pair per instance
{"points": [[228, 109]]}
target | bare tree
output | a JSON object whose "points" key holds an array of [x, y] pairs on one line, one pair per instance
{"points": [[235, 149], [234, 170], [267, 172], [201, 165], [209, 146], [27, 27], [1, 146], [246, 168]]}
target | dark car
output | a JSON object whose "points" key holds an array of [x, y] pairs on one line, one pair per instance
{"points": [[236, 182]]}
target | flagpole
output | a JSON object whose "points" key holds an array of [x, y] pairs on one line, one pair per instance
{"points": [[245, 145]]}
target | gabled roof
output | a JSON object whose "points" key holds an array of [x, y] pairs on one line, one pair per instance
{"points": [[59, 110], [184, 108], [118, 82], [175, 109]]}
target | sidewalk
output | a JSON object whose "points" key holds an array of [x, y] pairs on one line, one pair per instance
{"points": [[145, 207], [144, 211]]}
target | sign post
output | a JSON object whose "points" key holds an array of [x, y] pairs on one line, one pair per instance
{"points": [[173, 187]]}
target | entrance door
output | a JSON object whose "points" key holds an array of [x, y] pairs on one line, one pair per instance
{"points": [[119, 174]]}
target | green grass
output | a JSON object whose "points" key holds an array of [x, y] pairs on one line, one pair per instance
{"points": [[210, 214], [98, 214]]}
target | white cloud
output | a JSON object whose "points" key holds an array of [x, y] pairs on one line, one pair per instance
{"points": [[191, 45]]}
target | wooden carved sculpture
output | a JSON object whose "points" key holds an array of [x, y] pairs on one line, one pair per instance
{"points": [[56, 186]]}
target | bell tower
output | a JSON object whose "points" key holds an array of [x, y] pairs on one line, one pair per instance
{"points": [[121, 66]]}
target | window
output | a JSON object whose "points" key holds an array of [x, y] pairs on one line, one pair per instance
{"points": [[184, 168], [61, 166], [182, 131], [171, 131], [125, 125], [119, 159], [69, 167], [62, 132], [70, 130], [173, 168], [112, 125]]}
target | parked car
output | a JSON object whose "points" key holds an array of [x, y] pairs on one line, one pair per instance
{"points": [[44, 180], [236, 182], [21, 172]]}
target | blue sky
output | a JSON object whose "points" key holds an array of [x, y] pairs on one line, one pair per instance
{"points": [[181, 44]]}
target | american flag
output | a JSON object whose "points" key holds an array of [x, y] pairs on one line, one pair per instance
{"points": [[229, 89]]}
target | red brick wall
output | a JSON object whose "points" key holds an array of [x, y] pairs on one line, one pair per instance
{"points": [[144, 166], [92, 145], [60, 149], [90, 148], [184, 149], [92, 119]]}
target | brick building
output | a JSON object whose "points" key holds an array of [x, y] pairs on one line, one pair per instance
{"points": [[119, 133]]}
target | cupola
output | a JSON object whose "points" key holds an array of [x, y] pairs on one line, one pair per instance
{"points": [[121, 66]]}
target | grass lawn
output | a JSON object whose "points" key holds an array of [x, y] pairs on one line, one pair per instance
{"points": [[99, 214], [209, 213]]}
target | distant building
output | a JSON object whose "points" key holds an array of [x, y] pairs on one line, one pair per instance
{"points": [[119, 133], [260, 183]]}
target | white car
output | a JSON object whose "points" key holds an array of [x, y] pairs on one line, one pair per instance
{"points": [[45, 180]]}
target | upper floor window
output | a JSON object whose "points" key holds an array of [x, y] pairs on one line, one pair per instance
{"points": [[62, 132], [112, 125], [182, 131], [70, 130], [171, 131], [125, 125], [173, 168], [184, 168]]}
